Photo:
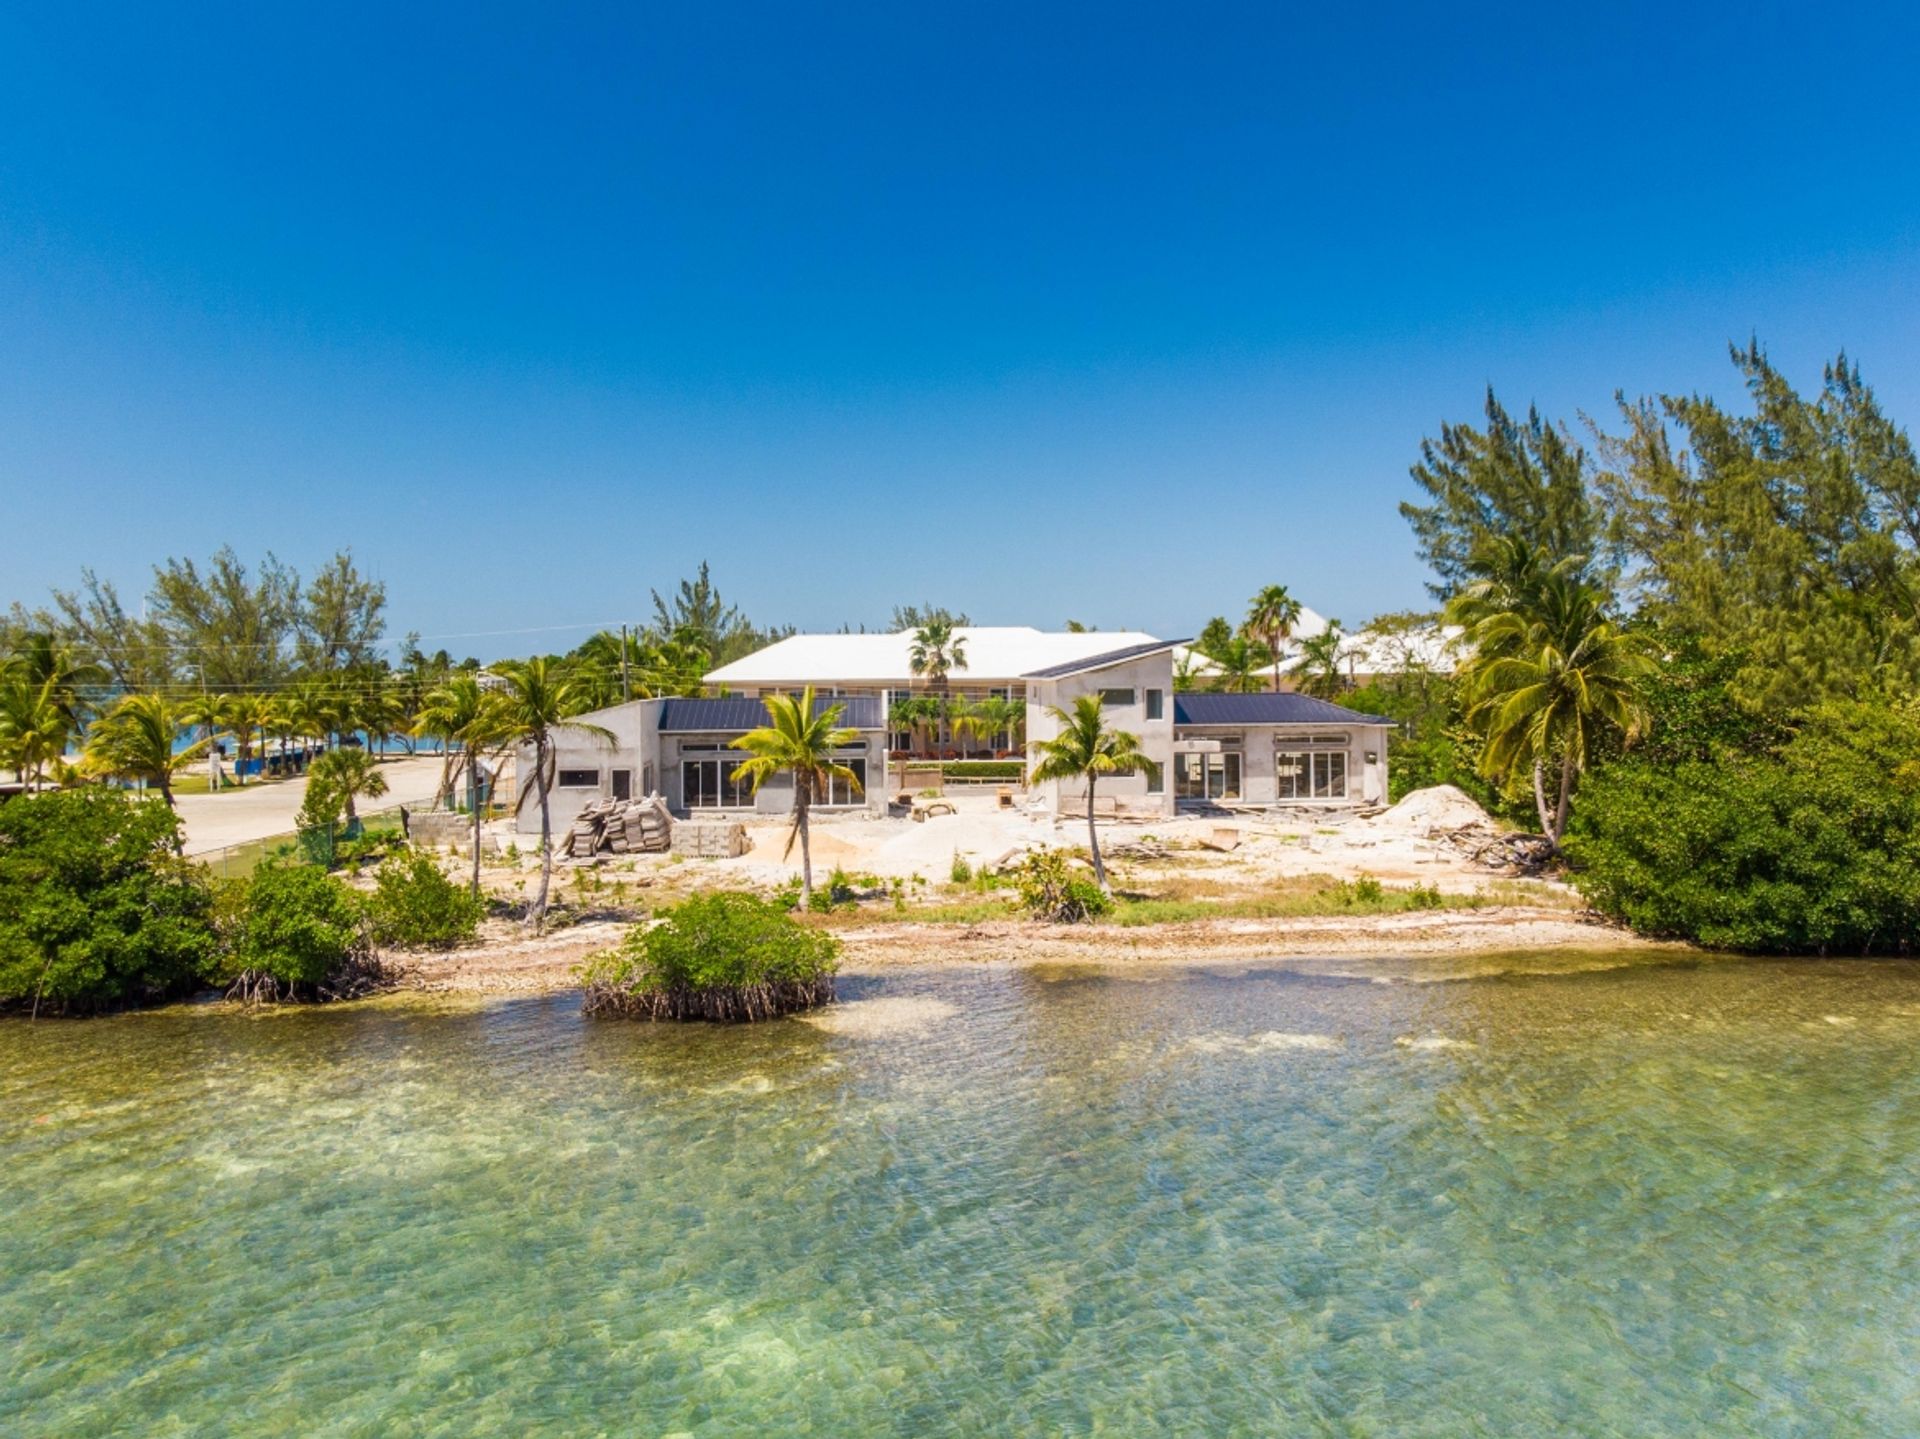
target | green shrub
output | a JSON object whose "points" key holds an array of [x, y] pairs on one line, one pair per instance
{"points": [[1049, 888], [1425, 896], [295, 933], [416, 905], [1365, 889], [982, 769], [97, 910], [722, 956], [960, 872], [1812, 849]]}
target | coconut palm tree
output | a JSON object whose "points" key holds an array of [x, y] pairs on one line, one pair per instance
{"points": [[34, 727], [352, 774], [1549, 673], [1271, 616], [800, 738], [135, 740], [247, 715], [536, 700], [206, 711], [1318, 668], [1086, 749], [935, 651], [1237, 662], [450, 714], [69, 680]]}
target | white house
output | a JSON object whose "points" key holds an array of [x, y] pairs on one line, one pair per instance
{"points": [[1209, 749]]}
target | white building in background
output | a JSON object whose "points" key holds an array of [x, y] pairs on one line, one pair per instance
{"points": [[1211, 749]]}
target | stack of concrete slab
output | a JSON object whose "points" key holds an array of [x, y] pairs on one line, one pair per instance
{"points": [[620, 826], [710, 839]]}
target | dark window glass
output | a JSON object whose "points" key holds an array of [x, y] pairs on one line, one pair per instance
{"points": [[579, 779]]}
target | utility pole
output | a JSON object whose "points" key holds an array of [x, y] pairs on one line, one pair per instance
{"points": [[473, 773], [626, 681]]}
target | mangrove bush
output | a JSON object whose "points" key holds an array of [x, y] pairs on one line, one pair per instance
{"points": [[725, 956], [414, 904], [97, 910]]}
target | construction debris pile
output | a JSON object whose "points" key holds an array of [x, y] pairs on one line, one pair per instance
{"points": [[1447, 816], [620, 826]]}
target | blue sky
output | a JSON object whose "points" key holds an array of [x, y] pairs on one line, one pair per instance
{"points": [[1106, 311]]}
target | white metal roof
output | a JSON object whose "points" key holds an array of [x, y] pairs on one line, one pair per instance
{"points": [[995, 654]]}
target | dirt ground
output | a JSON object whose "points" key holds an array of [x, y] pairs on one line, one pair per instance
{"points": [[1202, 860]]}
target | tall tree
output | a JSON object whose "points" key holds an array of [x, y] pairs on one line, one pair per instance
{"points": [[913, 617], [135, 650], [698, 616], [1086, 749], [340, 617], [1271, 616], [535, 701], [1788, 537], [232, 623], [1523, 478], [800, 738]]}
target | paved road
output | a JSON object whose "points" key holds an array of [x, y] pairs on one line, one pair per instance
{"points": [[235, 816]]}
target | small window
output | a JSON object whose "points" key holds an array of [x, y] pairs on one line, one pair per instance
{"points": [[1156, 704], [579, 779], [1156, 778], [1114, 698]]}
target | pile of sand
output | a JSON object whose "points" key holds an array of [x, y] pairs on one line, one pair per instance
{"points": [[1437, 810]]}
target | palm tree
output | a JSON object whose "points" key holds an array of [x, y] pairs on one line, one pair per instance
{"points": [[936, 650], [247, 715], [313, 709], [42, 662], [351, 774], [1237, 664], [799, 739], [533, 703], [33, 727], [1271, 616], [1318, 667], [135, 740], [449, 714], [1549, 672], [1086, 749], [207, 711]]}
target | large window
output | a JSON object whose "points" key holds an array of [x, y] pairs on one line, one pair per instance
{"points": [[708, 783], [578, 779], [1115, 697], [1213, 776], [1311, 774]]}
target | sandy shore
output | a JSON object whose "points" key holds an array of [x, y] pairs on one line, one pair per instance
{"points": [[508, 961]]}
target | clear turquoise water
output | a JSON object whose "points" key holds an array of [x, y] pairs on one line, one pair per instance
{"points": [[1312, 1199]]}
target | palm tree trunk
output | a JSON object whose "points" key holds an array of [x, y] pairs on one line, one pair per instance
{"points": [[537, 915], [476, 834], [1565, 799], [1093, 844], [1540, 800], [800, 800]]}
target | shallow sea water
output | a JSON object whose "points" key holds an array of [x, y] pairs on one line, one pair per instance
{"points": [[1524, 1196]]}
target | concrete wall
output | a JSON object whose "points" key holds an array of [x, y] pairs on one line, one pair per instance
{"points": [[1156, 736], [635, 747]]}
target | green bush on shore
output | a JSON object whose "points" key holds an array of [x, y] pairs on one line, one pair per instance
{"points": [[415, 904], [294, 932], [724, 956], [1812, 848], [97, 910]]}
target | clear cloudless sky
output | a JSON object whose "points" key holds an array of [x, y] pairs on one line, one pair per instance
{"points": [[1106, 311]]}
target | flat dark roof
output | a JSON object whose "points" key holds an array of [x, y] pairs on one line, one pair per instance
{"points": [[737, 715], [1194, 708]]}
